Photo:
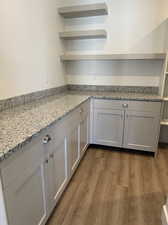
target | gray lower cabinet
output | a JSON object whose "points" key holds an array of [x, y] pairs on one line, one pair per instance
{"points": [[34, 179], [128, 124], [25, 202], [24, 186], [141, 130], [108, 127]]}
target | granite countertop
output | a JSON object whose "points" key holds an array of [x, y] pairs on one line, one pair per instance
{"points": [[119, 95], [19, 124]]}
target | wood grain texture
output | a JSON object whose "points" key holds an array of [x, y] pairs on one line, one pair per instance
{"points": [[112, 187]]}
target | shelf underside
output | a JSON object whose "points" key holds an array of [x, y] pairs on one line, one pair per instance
{"points": [[164, 122], [85, 34], [97, 9], [99, 57]]}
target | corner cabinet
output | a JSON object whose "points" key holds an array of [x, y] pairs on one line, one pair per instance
{"points": [[34, 179], [127, 124]]}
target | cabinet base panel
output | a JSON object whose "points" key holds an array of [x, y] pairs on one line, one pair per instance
{"points": [[121, 149]]}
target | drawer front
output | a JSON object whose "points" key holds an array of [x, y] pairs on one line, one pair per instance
{"points": [[23, 163], [145, 106], [108, 104]]}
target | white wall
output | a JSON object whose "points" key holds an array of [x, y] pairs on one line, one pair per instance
{"points": [[132, 26], [29, 46], [129, 73]]}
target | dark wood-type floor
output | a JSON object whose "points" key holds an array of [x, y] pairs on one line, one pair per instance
{"points": [[115, 188]]}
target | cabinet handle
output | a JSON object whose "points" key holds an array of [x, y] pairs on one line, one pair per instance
{"points": [[81, 110], [52, 155], [125, 105], [46, 161], [46, 139]]}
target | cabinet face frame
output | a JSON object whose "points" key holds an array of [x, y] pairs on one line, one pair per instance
{"points": [[73, 147], [84, 124]]}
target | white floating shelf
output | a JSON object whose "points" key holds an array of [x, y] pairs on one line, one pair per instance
{"points": [[164, 122], [99, 57], [97, 9], [85, 34]]}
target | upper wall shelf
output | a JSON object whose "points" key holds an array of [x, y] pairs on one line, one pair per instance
{"points": [[86, 34], [97, 9], [99, 57]]}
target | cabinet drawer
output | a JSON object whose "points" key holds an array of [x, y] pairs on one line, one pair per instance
{"points": [[107, 104], [23, 163], [145, 106]]}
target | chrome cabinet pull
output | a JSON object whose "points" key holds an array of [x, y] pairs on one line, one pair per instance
{"points": [[81, 110], [125, 105], [46, 139], [46, 161]]}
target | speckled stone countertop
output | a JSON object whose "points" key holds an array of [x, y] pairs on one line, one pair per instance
{"points": [[19, 124], [119, 95]]}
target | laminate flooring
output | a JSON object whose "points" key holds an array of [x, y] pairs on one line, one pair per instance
{"points": [[113, 187]]}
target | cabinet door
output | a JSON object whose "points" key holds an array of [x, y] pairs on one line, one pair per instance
{"points": [[26, 201], [73, 150], [59, 169], [141, 131], [55, 169], [84, 134], [108, 127]]}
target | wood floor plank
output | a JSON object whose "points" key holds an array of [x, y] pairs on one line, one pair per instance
{"points": [[114, 187]]}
